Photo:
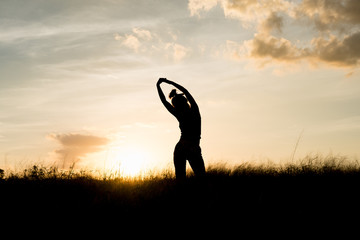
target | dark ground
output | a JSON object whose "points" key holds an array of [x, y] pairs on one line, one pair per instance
{"points": [[295, 197]]}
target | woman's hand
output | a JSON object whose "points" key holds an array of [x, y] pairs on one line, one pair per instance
{"points": [[159, 81]]}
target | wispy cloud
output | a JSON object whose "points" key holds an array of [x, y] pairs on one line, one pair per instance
{"points": [[142, 40], [247, 11], [135, 39], [177, 51], [196, 6]]}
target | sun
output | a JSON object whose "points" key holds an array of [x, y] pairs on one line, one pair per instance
{"points": [[132, 163], [127, 162]]}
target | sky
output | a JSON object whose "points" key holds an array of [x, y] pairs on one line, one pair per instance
{"points": [[77, 80]]}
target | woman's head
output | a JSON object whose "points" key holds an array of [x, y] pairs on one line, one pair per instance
{"points": [[178, 100]]}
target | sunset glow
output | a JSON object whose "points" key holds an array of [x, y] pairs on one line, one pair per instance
{"points": [[129, 162], [78, 80]]}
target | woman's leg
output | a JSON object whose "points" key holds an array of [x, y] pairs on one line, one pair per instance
{"points": [[196, 160], [180, 161]]}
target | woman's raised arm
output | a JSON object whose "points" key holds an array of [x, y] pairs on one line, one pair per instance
{"points": [[167, 105]]}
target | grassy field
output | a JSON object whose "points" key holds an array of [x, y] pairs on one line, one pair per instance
{"points": [[312, 190]]}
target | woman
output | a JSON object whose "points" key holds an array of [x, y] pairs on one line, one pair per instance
{"points": [[188, 147]]}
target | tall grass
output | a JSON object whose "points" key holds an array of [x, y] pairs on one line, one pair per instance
{"points": [[321, 185], [315, 164]]}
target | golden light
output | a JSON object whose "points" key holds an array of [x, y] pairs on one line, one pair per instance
{"points": [[128, 162], [132, 163]]}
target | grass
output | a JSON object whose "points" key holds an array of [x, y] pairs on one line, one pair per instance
{"points": [[314, 189]]}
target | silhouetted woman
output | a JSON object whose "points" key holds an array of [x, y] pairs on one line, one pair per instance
{"points": [[188, 147]]}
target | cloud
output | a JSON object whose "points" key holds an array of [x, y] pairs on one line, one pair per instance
{"points": [[177, 51], [254, 10], [195, 6], [76, 146], [142, 40], [132, 42], [345, 52], [334, 43], [324, 14], [330, 14], [244, 10], [142, 33], [138, 38], [135, 39], [339, 52], [263, 46], [273, 22]]}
